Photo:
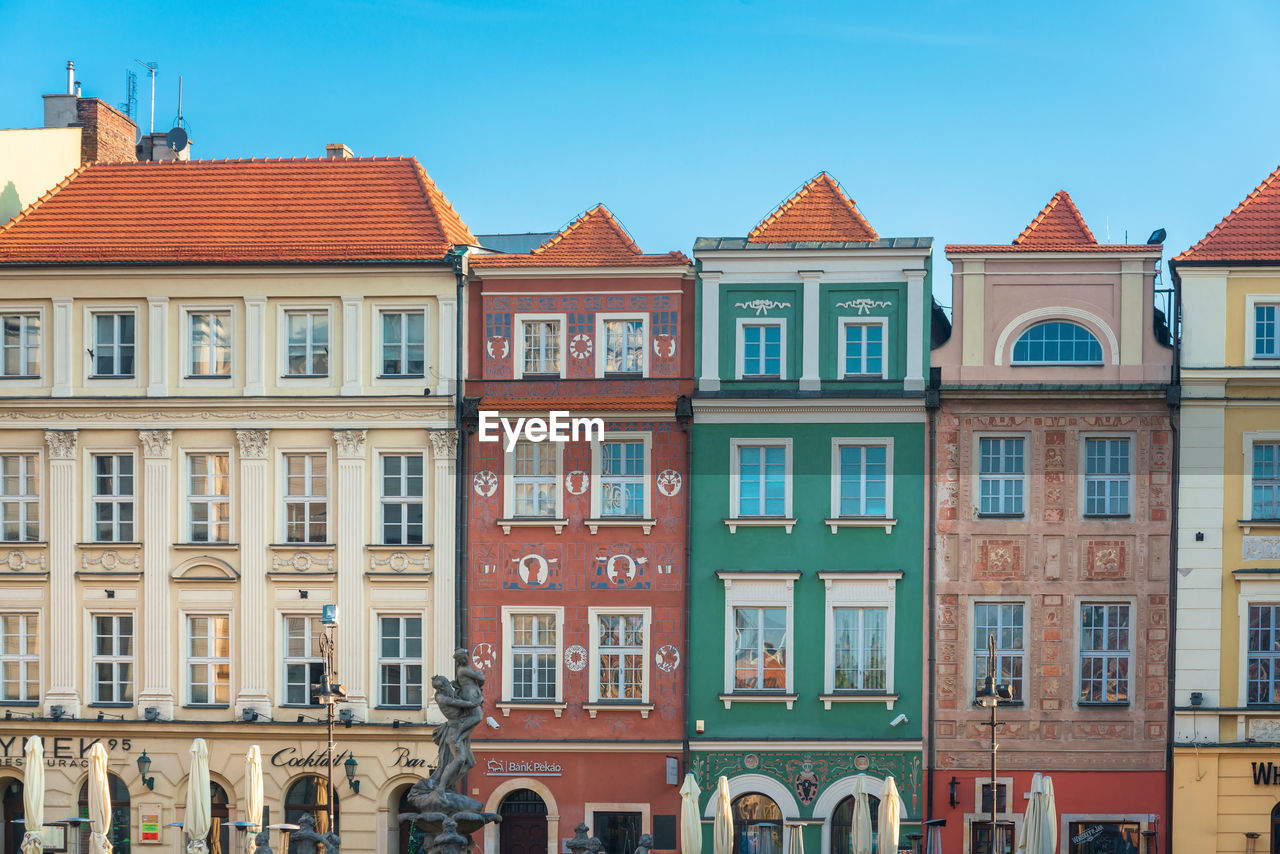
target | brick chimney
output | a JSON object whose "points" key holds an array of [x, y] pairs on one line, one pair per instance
{"points": [[106, 133], [338, 151]]}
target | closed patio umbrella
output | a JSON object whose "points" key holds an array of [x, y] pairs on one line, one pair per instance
{"points": [[890, 816], [861, 829], [690, 821], [1050, 814], [1038, 834], [99, 801], [723, 836], [33, 796], [253, 787], [196, 820], [797, 840]]}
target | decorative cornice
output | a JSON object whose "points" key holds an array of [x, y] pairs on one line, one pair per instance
{"points": [[155, 443], [350, 443], [253, 443], [62, 444], [444, 443]]}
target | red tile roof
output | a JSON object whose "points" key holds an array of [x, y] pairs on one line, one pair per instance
{"points": [[819, 211], [594, 239], [581, 403], [237, 211], [1058, 227], [1251, 232]]}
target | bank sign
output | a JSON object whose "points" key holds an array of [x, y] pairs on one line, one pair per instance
{"points": [[520, 768]]}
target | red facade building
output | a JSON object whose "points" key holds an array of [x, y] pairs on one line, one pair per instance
{"points": [[575, 594]]}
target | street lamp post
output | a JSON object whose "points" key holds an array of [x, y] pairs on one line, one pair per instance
{"points": [[989, 696], [329, 693]]}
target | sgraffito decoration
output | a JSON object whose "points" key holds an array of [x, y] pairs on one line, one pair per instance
{"points": [[532, 567], [485, 483], [621, 567]]}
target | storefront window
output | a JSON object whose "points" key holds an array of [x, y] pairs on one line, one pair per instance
{"points": [[757, 825], [121, 820], [619, 831], [980, 837], [307, 795], [1104, 837], [842, 825]]}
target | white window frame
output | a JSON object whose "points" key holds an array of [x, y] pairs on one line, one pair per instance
{"points": [[871, 441], [508, 484], [402, 661], [285, 659], [508, 633], [384, 500], [187, 659], [24, 500], [1252, 301], [772, 589], [1082, 602], [380, 309], [859, 590], [90, 342], [975, 479], [92, 659], [870, 320], [971, 671], [740, 345], [1254, 590], [24, 658], [90, 497], [189, 499], [517, 331], [597, 473], [188, 328], [1248, 439], [735, 473], [283, 377], [28, 380], [593, 651], [1083, 453], [602, 342], [282, 467]]}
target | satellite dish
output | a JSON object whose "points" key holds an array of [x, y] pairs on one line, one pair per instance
{"points": [[177, 139]]}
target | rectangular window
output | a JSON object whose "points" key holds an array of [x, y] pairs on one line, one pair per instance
{"points": [[1266, 480], [619, 832], [210, 344], [402, 499], [400, 662], [863, 349], [1000, 472], [307, 343], [404, 343], [624, 346], [20, 345], [1266, 342], [1104, 654], [209, 497], [1103, 837], [1106, 477], [622, 479], [1005, 621], [542, 347], [621, 657], [535, 480], [861, 657], [1263, 654], [113, 344], [20, 498], [760, 649], [209, 660], [533, 657], [112, 659], [19, 658], [762, 350], [762, 480], [303, 664], [864, 477], [113, 498], [306, 498]]}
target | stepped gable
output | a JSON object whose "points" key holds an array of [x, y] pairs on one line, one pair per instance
{"points": [[818, 212], [371, 209], [1251, 232], [594, 239]]}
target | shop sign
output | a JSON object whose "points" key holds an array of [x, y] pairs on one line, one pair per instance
{"points": [[149, 823], [287, 757], [521, 768], [405, 760], [61, 751], [1265, 774]]}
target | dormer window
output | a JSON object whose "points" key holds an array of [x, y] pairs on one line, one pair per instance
{"points": [[1057, 342]]}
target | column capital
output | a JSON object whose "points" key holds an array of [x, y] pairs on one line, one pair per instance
{"points": [[155, 443], [253, 443], [350, 443], [62, 444], [444, 443], [916, 275], [807, 276]]}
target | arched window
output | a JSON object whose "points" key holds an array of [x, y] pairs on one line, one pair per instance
{"points": [[307, 795], [1057, 342], [11, 809], [403, 837], [220, 814], [842, 825], [121, 818], [757, 825]]}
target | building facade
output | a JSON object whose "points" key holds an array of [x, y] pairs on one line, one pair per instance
{"points": [[1227, 717], [576, 550], [214, 425], [808, 505], [1053, 500]]}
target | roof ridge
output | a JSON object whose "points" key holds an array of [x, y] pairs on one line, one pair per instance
{"points": [[428, 185], [48, 194], [757, 234], [208, 160], [1071, 209], [1244, 203]]}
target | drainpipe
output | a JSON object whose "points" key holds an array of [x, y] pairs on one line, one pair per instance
{"points": [[684, 417], [1173, 397], [457, 257], [932, 400]]}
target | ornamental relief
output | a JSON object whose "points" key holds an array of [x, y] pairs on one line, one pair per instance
{"points": [[253, 443], [1261, 548], [350, 442], [110, 560], [155, 443], [864, 305], [302, 562], [399, 562], [761, 306], [21, 561], [61, 443]]}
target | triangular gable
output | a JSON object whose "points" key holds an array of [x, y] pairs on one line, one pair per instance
{"points": [[595, 234], [1058, 224], [1251, 232], [819, 211]]}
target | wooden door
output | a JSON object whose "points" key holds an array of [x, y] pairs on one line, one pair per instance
{"points": [[523, 834]]}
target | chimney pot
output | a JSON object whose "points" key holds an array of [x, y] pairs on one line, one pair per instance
{"points": [[338, 151], [71, 77]]}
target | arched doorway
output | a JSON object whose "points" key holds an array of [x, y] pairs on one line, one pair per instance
{"points": [[524, 823], [308, 795], [121, 816], [219, 814], [403, 837], [12, 809], [842, 825], [1275, 829], [757, 825]]}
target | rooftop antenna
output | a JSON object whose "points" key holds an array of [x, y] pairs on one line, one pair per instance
{"points": [[177, 137], [130, 103], [151, 69]]}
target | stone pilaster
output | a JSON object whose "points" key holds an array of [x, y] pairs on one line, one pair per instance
{"points": [[447, 335], [916, 333], [157, 346], [62, 505], [255, 346], [443, 637], [809, 330], [156, 511], [352, 340], [348, 502], [62, 346], [255, 617], [709, 380]]}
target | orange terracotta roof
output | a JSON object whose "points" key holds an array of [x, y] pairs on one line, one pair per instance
{"points": [[1251, 232], [819, 211], [238, 211], [1058, 227], [594, 239], [581, 403]]}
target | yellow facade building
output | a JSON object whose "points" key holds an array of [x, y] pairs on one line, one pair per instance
{"points": [[228, 402], [1226, 769]]}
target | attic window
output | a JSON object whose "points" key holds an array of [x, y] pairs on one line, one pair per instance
{"points": [[1057, 342]]}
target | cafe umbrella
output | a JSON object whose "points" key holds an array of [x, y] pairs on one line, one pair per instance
{"points": [[99, 801], [253, 786], [196, 819], [890, 815], [723, 835], [690, 823], [860, 832], [33, 796]]}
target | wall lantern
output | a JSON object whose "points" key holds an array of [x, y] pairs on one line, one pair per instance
{"points": [[953, 786], [350, 767], [144, 765]]}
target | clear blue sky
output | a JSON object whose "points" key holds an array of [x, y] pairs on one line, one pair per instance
{"points": [[955, 120]]}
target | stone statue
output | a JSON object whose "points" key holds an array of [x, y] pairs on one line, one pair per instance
{"points": [[579, 844], [646, 843], [596, 845], [309, 838], [262, 842]]}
